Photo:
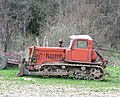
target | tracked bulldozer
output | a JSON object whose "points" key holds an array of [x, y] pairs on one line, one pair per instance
{"points": [[79, 60]]}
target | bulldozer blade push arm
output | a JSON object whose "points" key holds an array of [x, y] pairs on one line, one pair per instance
{"points": [[21, 71]]}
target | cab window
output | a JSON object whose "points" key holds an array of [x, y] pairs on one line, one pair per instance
{"points": [[80, 44]]}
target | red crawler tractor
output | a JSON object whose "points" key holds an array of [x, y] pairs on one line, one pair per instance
{"points": [[79, 60]]}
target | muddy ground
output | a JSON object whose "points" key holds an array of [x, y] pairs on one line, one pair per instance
{"points": [[13, 89]]}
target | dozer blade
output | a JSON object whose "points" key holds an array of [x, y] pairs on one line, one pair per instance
{"points": [[21, 71]]}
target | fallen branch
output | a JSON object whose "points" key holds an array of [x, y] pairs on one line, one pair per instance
{"points": [[103, 49], [109, 50]]}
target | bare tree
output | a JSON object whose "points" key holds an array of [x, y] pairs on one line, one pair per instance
{"points": [[6, 23]]}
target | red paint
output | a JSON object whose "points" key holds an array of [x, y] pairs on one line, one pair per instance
{"points": [[84, 53]]}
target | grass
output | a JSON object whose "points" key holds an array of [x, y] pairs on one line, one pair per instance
{"points": [[112, 57], [110, 83], [113, 54]]}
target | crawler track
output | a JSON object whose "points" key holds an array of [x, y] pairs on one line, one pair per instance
{"points": [[77, 71]]}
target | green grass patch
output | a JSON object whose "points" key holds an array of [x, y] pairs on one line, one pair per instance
{"points": [[113, 54], [110, 83]]}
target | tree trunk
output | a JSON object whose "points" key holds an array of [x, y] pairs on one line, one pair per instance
{"points": [[5, 47]]}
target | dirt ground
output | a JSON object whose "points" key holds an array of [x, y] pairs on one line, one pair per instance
{"points": [[12, 89]]}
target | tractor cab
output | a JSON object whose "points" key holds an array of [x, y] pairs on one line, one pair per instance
{"points": [[80, 49]]}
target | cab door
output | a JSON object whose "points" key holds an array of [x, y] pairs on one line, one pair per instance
{"points": [[80, 51]]}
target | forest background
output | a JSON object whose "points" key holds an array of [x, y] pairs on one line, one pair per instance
{"points": [[21, 21]]}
